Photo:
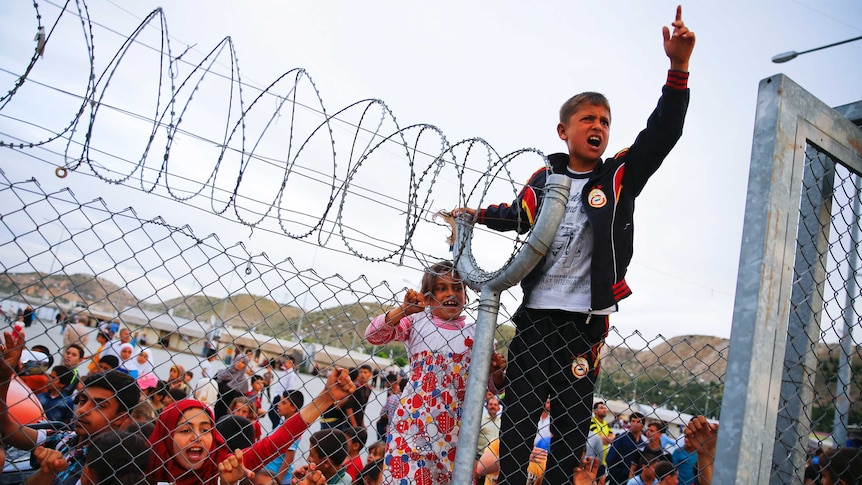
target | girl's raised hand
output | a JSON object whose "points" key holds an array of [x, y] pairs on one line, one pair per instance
{"points": [[498, 370], [498, 362], [232, 469], [339, 385], [414, 302]]}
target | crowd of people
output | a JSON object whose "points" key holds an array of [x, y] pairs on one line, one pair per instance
{"points": [[541, 425], [107, 428]]}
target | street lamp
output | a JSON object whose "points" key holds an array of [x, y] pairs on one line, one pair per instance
{"points": [[789, 56]]}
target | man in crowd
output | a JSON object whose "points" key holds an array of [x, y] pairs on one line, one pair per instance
{"points": [[655, 444], [354, 406], [287, 382], [77, 332], [601, 428], [624, 451], [102, 406], [72, 357], [490, 428], [58, 406]]}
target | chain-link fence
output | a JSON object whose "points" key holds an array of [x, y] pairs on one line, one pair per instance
{"points": [[91, 270], [68, 263], [96, 286]]}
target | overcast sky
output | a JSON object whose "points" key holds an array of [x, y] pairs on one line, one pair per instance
{"points": [[491, 70]]}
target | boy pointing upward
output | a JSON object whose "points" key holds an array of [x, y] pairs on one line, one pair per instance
{"points": [[563, 319]]}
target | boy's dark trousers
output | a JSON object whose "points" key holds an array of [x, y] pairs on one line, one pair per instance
{"points": [[554, 354]]}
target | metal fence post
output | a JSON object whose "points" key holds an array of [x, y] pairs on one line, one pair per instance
{"points": [[490, 285], [787, 120]]}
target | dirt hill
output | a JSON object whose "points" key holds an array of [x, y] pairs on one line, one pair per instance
{"points": [[67, 291]]}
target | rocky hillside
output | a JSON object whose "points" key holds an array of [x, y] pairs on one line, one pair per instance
{"points": [[699, 356], [66, 291]]}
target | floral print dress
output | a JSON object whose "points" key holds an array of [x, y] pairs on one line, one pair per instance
{"points": [[420, 447]]}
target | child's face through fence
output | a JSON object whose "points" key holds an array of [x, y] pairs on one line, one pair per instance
{"points": [[192, 439], [447, 297], [286, 408]]}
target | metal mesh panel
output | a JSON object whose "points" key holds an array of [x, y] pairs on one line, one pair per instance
{"points": [[157, 279], [820, 384]]}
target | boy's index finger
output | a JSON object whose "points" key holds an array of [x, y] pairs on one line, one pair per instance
{"points": [[678, 13]]}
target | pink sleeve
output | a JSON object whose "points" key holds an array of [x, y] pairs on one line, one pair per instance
{"points": [[378, 333], [274, 444]]}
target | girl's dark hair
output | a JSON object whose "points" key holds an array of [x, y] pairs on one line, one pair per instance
{"points": [[434, 271], [664, 469], [371, 472], [118, 458]]}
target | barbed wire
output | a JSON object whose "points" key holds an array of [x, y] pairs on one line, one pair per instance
{"points": [[368, 140]]}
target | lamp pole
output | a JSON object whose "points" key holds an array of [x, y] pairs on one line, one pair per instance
{"points": [[789, 56]]}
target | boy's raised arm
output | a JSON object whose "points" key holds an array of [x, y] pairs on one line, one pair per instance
{"points": [[679, 44]]}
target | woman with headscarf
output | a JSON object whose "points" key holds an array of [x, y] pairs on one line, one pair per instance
{"points": [[176, 379], [187, 449], [232, 383], [103, 339], [127, 361]]}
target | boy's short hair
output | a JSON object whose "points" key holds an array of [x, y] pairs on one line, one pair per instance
{"points": [[256, 378], [121, 384], [330, 443], [664, 469], [64, 374], [161, 389], [79, 348], [118, 458], [662, 427], [637, 416], [572, 104], [296, 397], [190, 374], [112, 360], [237, 431], [177, 394], [366, 367], [357, 434], [597, 404]]}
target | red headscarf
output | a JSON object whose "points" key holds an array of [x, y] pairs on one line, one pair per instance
{"points": [[163, 464]]}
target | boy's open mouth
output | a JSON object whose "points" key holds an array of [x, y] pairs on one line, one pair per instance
{"points": [[594, 141]]}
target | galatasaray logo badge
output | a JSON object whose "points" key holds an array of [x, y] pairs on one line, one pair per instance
{"points": [[580, 367], [597, 198]]}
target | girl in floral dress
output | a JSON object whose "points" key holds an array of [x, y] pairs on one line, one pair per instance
{"points": [[421, 443]]}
